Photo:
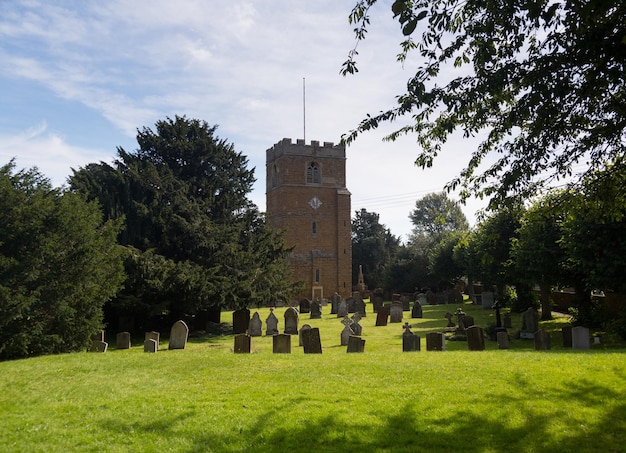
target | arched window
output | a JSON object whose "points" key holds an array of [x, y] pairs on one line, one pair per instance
{"points": [[313, 175]]}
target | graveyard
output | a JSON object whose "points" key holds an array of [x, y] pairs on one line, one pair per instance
{"points": [[210, 395]]}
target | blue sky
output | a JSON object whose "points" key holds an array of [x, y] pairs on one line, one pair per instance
{"points": [[78, 78]]}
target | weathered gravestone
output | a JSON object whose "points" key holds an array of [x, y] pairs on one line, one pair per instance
{"points": [[241, 320], [334, 303], [316, 310], [291, 321], [153, 335], [542, 340], [281, 344], [422, 299], [178, 335], [303, 329], [417, 310], [342, 309], [377, 302], [271, 324], [150, 345], [311, 341], [98, 346], [395, 312], [475, 338], [382, 316], [507, 321], [487, 300], [410, 341], [355, 344], [347, 331], [255, 328], [242, 344], [122, 340], [305, 306], [503, 340], [580, 338], [355, 326], [435, 341], [530, 323], [567, 336]]}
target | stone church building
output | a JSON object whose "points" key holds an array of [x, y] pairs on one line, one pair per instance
{"points": [[307, 198]]}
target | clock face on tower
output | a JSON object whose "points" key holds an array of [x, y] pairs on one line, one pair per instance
{"points": [[315, 202]]}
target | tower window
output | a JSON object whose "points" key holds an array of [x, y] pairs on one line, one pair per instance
{"points": [[314, 227], [313, 175], [317, 275]]}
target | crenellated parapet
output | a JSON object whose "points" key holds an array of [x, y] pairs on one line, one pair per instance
{"points": [[300, 148]]}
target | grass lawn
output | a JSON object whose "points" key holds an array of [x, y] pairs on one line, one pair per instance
{"points": [[206, 398]]}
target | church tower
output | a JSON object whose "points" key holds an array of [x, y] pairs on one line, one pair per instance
{"points": [[308, 200]]}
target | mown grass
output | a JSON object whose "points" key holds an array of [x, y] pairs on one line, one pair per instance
{"points": [[206, 398]]}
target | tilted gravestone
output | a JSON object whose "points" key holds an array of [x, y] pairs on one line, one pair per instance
{"points": [[355, 344], [395, 312], [311, 341], [410, 341], [241, 320], [580, 338], [150, 345], [542, 341], [435, 341], [242, 344], [178, 335], [122, 340], [255, 328], [271, 324], [382, 316], [99, 346], [291, 321], [475, 338], [316, 310], [355, 326], [303, 329], [281, 344], [503, 340]]}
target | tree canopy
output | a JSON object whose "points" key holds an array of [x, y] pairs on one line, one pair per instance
{"points": [[435, 215], [543, 80], [59, 264]]}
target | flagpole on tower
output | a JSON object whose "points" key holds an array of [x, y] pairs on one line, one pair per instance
{"points": [[304, 109]]}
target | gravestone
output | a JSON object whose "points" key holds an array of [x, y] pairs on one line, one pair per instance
{"points": [[153, 335], [150, 345], [449, 316], [178, 335], [475, 338], [303, 329], [242, 344], [271, 324], [435, 341], [342, 309], [395, 312], [316, 310], [347, 331], [291, 321], [377, 302], [567, 336], [580, 338], [422, 299], [255, 329], [305, 305], [406, 302], [98, 336], [507, 320], [122, 340], [241, 320], [468, 321], [431, 298], [311, 341], [530, 323], [281, 344], [355, 326], [487, 300], [503, 340], [359, 307], [542, 341], [417, 310], [382, 317], [99, 346], [334, 303], [355, 344], [410, 341]]}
